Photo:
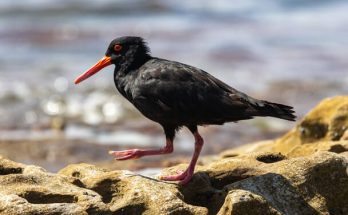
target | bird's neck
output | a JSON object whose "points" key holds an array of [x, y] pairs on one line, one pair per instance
{"points": [[130, 64], [125, 73]]}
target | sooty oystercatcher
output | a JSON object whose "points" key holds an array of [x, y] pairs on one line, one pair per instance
{"points": [[174, 95]]}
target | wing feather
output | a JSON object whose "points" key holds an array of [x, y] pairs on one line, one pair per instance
{"points": [[174, 92]]}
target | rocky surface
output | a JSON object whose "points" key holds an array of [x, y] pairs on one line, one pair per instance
{"points": [[323, 128], [303, 172]]}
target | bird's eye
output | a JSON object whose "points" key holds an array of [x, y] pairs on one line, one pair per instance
{"points": [[117, 47]]}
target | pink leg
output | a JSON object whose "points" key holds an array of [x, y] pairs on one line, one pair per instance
{"points": [[137, 153], [185, 176]]}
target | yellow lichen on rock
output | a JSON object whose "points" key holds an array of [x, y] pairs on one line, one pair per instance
{"points": [[328, 121]]}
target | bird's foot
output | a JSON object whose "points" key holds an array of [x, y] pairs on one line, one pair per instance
{"points": [[183, 177], [126, 154]]}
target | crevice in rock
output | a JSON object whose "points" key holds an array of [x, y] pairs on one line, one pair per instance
{"points": [[220, 179], [131, 209], [311, 131], [97, 211], [36, 197], [212, 199], [76, 174], [270, 158], [7, 170], [338, 124], [77, 182], [337, 149], [201, 193], [106, 189]]}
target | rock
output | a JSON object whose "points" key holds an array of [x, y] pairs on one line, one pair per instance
{"points": [[246, 203], [86, 189], [124, 192], [317, 184], [250, 184], [326, 123], [308, 149], [35, 191]]}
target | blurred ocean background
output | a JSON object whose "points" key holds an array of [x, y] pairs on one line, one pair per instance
{"points": [[288, 51]]}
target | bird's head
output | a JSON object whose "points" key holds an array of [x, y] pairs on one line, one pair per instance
{"points": [[123, 52]]}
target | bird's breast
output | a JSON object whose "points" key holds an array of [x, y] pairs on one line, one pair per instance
{"points": [[124, 87]]}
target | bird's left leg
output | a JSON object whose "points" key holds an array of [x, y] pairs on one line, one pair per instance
{"points": [[184, 177], [137, 153]]}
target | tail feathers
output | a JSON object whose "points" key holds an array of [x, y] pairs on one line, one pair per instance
{"points": [[277, 110]]}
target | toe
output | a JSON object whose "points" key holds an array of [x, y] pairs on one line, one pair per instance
{"points": [[185, 180], [177, 177], [126, 154], [127, 157]]}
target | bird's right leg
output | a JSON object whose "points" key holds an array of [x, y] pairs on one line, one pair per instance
{"points": [[137, 153], [185, 177]]}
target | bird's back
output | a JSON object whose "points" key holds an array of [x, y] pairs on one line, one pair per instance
{"points": [[169, 92]]}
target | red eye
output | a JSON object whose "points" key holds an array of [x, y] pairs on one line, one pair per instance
{"points": [[117, 47]]}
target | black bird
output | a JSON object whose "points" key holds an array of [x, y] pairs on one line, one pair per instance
{"points": [[174, 95]]}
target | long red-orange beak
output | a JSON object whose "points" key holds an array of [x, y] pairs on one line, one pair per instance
{"points": [[104, 62]]}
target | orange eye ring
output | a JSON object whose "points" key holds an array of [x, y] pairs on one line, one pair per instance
{"points": [[117, 47]]}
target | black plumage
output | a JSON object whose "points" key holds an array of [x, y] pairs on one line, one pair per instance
{"points": [[174, 94]]}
